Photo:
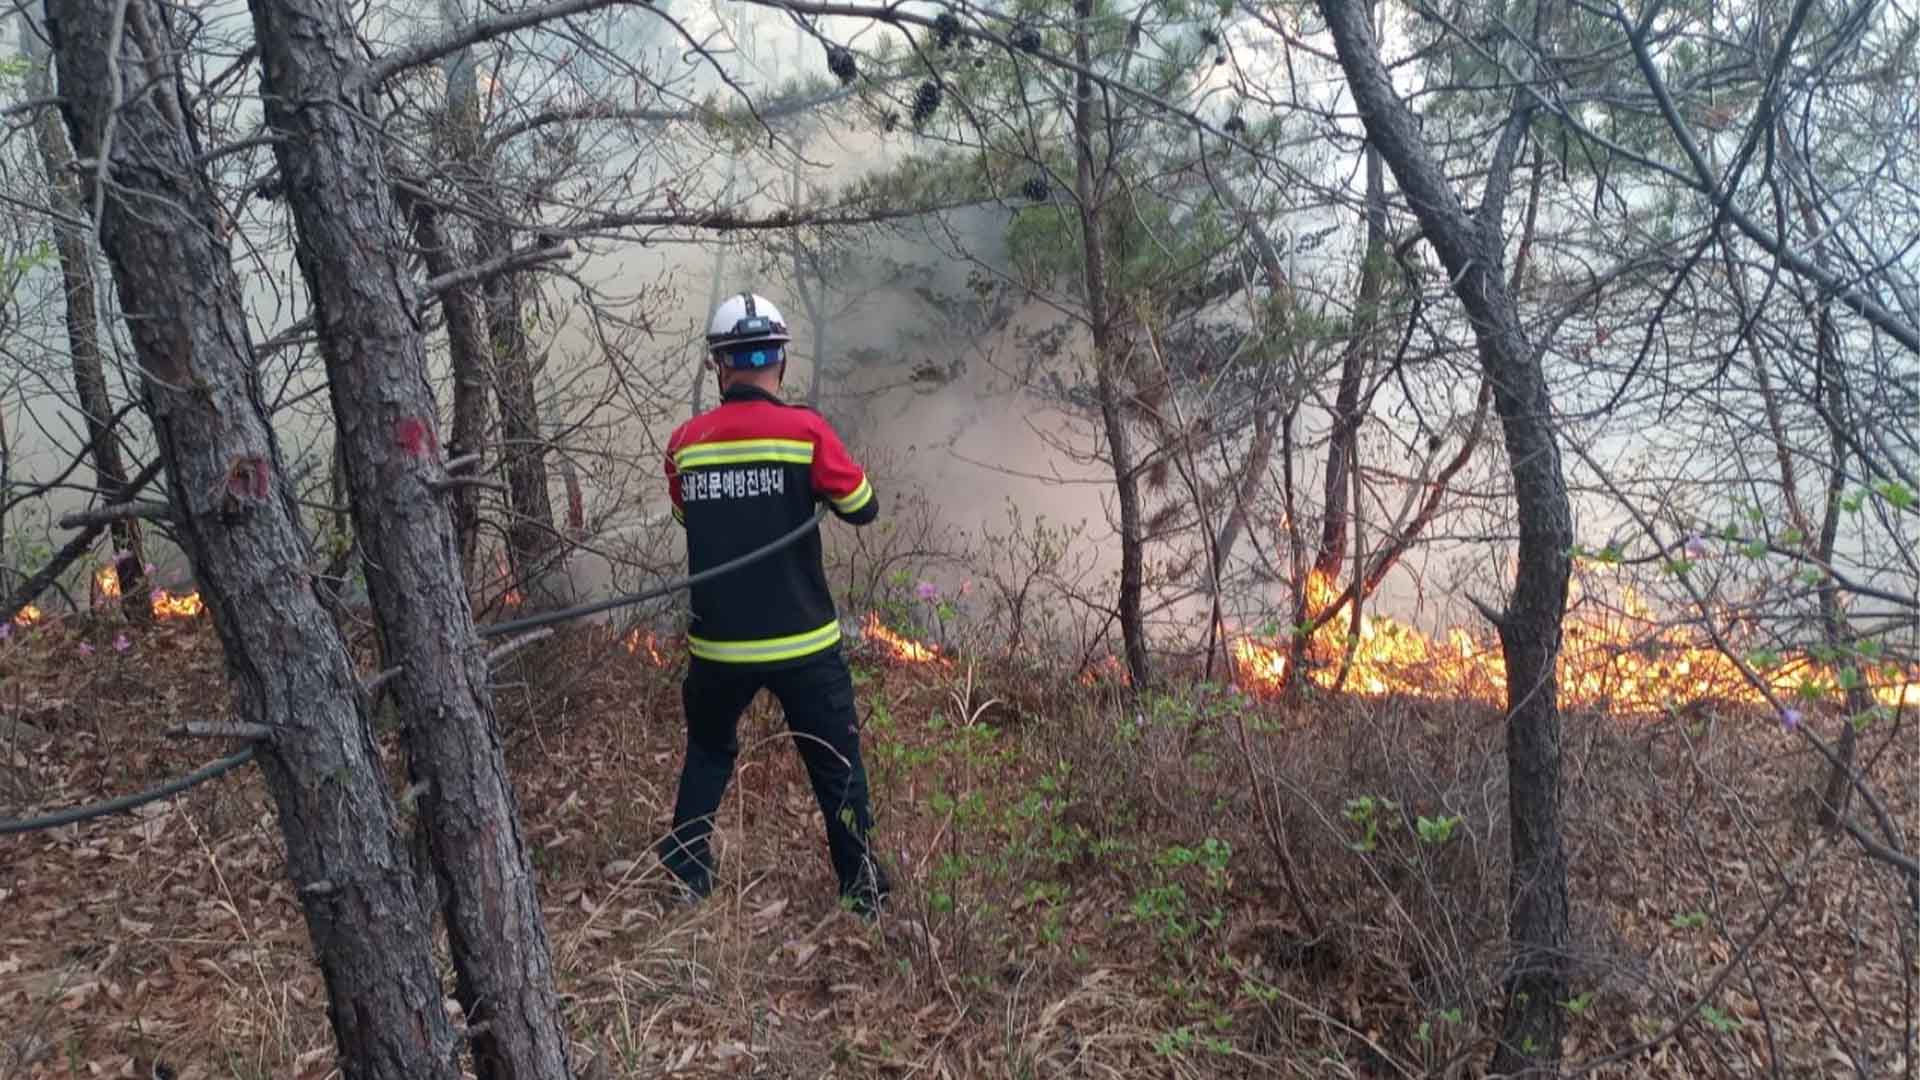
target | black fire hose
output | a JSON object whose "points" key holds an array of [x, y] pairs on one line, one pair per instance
{"points": [[546, 618]]}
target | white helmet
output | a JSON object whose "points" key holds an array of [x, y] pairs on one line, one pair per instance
{"points": [[745, 319]]}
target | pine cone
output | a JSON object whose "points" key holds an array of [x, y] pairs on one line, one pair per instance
{"points": [[925, 101], [945, 29], [840, 62]]}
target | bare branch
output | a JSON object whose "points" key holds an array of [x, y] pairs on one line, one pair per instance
{"points": [[214, 729], [106, 515], [1770, 242], [506, 264], [472, 34]]}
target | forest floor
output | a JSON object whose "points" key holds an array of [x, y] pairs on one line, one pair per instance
{"points": [[1082, 888]]}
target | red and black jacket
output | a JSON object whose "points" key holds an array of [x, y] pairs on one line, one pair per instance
{"points": [[741, 475]]}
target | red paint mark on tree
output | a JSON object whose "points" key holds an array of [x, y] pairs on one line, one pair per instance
{"points": [[415, 436], [249, 477]]}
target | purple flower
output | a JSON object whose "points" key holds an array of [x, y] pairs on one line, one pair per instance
{"points": [[157, 595], [148, 569], [1790, 720], [86, 649], [6, 630], [121, 644], [1696, 547], [927, 591]]}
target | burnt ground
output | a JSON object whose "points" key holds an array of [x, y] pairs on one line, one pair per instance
{"points": [[1085, 888]]}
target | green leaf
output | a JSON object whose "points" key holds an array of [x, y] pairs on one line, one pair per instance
{"points": [[1896, 493], [1720, 1021], [1437, 830]]}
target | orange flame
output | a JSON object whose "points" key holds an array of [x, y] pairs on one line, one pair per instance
{"points": [[637, 640], [1615, 656], [166, 605], [1107, 669], [28, 616], [901, 648]]}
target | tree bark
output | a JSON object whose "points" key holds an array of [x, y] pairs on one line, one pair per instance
{"points": [[1247, 487], [466, 355], [532, 542], [1831, 400], [1126, 479], [531, 538], [1334, 521], [1339, 492], [83, 337], [1470, 248], [364, 304], [1831, 379], [288, 668]]}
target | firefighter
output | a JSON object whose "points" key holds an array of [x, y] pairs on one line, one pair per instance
{"points": [[741, 475]]}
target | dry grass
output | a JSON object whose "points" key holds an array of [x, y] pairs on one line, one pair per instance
{"points": [[1082, 890]]}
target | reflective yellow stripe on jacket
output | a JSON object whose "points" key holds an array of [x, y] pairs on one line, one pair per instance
{"points": [[855, 499], [744, 451], [765, 650]]}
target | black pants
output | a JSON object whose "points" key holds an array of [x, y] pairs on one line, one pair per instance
{"points": [[817, 696]]}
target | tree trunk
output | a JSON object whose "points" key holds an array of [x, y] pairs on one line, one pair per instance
{"points": [[1247, 488], [531, 538], [288, 668], [1087, 193], [1831, 378], [1470, 248], [702, 372], [83, 338], [1831, 402], [364, 307], [532, 542], [1334, 522], [467, 355], [1339, 492]]}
